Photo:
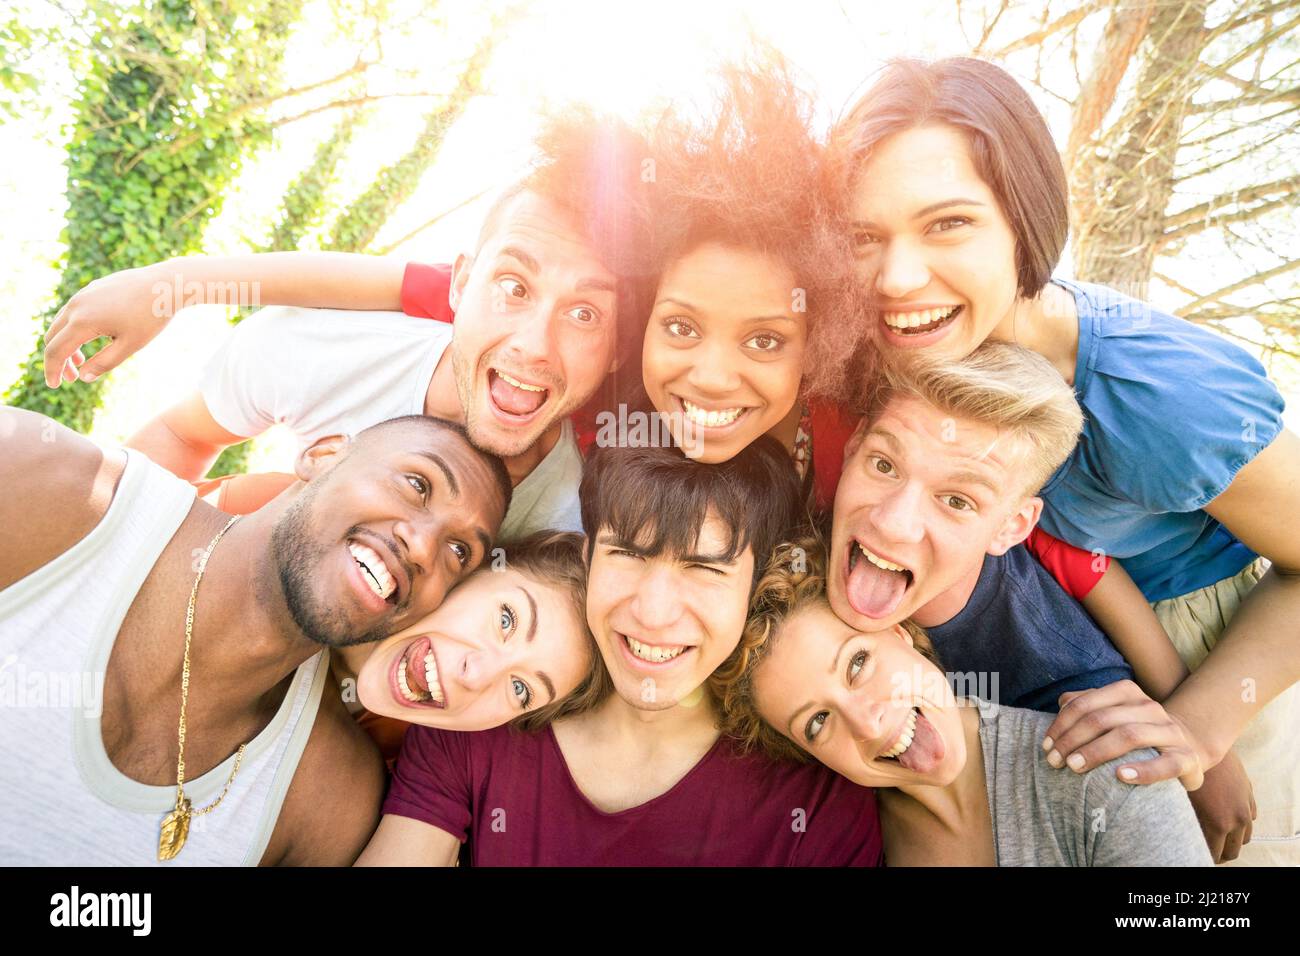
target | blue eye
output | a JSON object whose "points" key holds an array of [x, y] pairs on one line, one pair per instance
{"points": [[508, 619], [521, 692], [815, 724]]}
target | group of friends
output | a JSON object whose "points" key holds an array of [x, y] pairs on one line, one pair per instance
{"points": [[947, 561]]}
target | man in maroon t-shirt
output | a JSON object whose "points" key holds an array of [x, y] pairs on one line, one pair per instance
{"points": [[638, 774]]}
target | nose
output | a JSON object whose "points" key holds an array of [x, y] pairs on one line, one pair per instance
{"points": [[866, 716], [530, 339], [714, 372], [421, 539], [656, 604], [479, 669], [897, 516], [901, 270]]}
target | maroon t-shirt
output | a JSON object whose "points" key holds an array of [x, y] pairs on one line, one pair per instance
{"points": [[510, 793]]}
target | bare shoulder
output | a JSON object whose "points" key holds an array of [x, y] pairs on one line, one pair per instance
{"points": [[332, 806], [55, 486]]}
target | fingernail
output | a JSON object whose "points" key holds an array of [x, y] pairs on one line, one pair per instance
{"points": [[1047, 743], [88, 376], [1128, 773], [1076, 761], [1054, 759]]}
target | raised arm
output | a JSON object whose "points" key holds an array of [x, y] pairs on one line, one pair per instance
{"points": [[185, 439], [133, 306]]}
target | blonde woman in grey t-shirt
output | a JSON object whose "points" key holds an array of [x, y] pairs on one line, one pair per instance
{"points": [[962, 782]]}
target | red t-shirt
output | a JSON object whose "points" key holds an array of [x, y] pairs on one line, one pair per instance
{"points": [[511, 795], [426, 291], [1076, 570]]}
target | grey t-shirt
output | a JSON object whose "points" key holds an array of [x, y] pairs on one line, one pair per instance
{"points": [[1048, 817], [548, 496]]}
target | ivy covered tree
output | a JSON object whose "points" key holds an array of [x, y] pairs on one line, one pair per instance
{"points": [[169, 106]]}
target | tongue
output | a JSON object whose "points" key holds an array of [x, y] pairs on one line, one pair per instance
{"points": [[515, 401], [927, 748], [415, 666], [873, 591]]}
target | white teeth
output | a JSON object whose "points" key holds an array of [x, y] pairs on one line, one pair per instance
{"points": [[904, 741], [912, 320], [708, 419], [518, 384], [652, 652], [431, 678], [373, 569], [405, 687], [879, 561]]}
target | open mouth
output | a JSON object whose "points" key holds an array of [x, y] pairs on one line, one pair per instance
{"points": [[415, 676], [701, 417], [875, 586], [917, 744], [515, 397], [375, 572], [654, 653], [921, 322]]}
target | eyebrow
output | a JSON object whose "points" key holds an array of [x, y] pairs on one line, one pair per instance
{"points": [[611, 541], [890, 440], [446, 471], [973, 478], [755, 320], [532, 616], [524, 259], [935, 207]]}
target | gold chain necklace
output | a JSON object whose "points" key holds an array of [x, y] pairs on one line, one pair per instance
{"points": [[176, 825]]}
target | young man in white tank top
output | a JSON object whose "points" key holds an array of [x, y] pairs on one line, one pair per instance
{"points": [[99, 552]]}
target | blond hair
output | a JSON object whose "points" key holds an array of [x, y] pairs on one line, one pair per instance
{"points": [[1005, 386], [794, 579]]}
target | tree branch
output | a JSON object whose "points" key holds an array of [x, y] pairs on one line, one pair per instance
{"points": [[1203, 210], [1240, 284], [419, 229], [1065, 22]]}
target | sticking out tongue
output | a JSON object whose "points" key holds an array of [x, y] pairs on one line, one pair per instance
{"points": [[927, 748], [873, 591], [514, 401], [415, 655]]}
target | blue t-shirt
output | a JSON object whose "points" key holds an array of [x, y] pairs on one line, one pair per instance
{"points": [[1023, 631], [1172, 412]]}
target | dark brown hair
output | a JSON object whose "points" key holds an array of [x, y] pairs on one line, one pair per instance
{"points": [[1010, 146], [659, 499]]}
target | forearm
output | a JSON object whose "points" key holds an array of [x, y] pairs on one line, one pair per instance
{"points": [[1256, 658], [336, 280], [1123, 614], [163, 446]]}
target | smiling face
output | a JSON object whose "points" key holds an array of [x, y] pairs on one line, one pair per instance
{"points": [[723, 349], [922, 499], [665, 622], [867, 705], [535, 329], [500, 645], [382, 530], [933, 244]]}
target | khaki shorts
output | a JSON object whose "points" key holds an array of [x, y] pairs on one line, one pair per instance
{"points": [[1269, 747]]}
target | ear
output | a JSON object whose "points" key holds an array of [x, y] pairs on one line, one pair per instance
{"points": [[459, 276], [320, 456], [1017, 526], [905, 634], [855, 440]]}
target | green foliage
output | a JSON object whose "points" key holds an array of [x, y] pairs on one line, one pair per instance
{"points": [[168, 107], [306, 201]]}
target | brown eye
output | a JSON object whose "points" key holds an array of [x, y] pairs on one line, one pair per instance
{"points": [[882, 465], [419, 484], [512, 287]]}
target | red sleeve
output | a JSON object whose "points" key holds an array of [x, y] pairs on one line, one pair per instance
{"points": [[832, 427], [1076, 570], [426, 291], [431, 781]]}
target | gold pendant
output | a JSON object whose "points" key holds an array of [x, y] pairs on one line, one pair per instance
{"points": [[175, 828]]}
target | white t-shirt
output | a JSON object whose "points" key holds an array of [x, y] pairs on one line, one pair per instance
{"points": [[325, 372]]}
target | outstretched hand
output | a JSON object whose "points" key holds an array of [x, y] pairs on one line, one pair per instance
{"points": [[1106, 723]]}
